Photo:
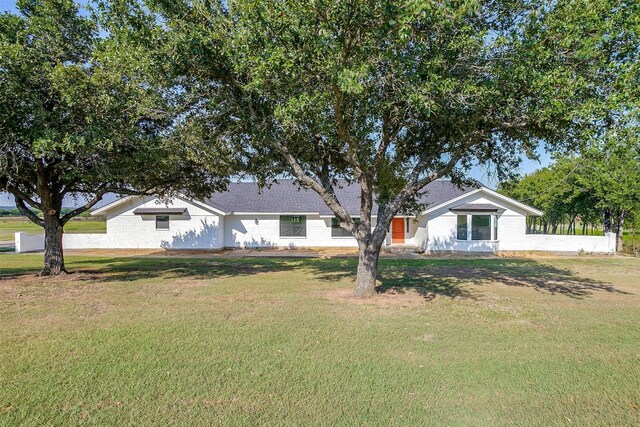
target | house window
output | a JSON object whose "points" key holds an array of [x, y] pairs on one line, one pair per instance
{"points": [[293, 226], [337, 231], [162, 222], [481, 227], [462, 227], [406, 226]]}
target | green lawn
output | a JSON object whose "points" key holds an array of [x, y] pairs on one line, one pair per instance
{"points": [[165, 341], [8, 227]]}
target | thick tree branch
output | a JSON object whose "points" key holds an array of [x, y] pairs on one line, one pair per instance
{"points": [[385, 213], [18, 194], [328, 197], [324, 189], [28, 212], [69, 188], [83, 208]]}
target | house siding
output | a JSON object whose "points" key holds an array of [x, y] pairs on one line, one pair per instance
{"points": [[204, 228], [264, 231], [439, 228], [197, 229]]}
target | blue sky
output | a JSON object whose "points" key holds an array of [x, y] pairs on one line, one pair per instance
{"points": [[7, 5], [482, 174]]}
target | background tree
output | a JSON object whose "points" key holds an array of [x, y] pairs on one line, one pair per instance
{"points": [[387, 95], [76, 122], [561, 192], [604, 180], [611, 169]]}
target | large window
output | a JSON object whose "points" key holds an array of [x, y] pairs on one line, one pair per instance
{"points": [[337, 231], [481, 227], [293, 226], [462, 227], [162, 222]]}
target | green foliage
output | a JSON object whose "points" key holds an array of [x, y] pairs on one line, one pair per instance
{"points": [[389, 95], [80, 116], [323, 90], [8, 211], [603, 180], [560, 191]]}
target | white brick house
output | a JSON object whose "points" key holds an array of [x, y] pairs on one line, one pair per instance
{"points": [[455, 220]]}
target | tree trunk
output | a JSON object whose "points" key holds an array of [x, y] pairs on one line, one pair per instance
{"points": [[633, 235], [53, 255], [620, 229], [367, 271]]}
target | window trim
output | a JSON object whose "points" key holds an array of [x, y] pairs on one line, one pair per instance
{"points": [[168, 221]]}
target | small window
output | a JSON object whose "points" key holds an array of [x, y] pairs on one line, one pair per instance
{"points": [[162, 222], [406, 226], [293, 226], [462, 227], [481, 227], [337, 231]]}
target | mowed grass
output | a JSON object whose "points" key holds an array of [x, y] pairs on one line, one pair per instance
{"points": [[166, 341], [9, 227]]}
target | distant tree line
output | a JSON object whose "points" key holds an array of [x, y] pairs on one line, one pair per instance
{"points": [[598, 190], [8, 211]]}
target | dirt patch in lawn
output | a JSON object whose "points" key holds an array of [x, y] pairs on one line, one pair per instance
{"points": [[388, 297]]}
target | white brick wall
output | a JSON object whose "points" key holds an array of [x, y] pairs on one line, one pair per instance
{"points": [[264, 231], [86, 241], [25, 242], [562, 243], [202, 228], [198, 229]]}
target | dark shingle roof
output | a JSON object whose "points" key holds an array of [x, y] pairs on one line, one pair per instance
{"points": [[285, 196], [440, 191]]}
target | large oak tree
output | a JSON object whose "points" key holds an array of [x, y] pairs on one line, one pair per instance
{"points": [[388, 95], [76, 121]]}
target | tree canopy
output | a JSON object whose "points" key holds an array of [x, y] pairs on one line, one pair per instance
{"points": [[78, 120], [389, 95]]}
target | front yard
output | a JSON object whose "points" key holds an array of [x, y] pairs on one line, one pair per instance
{"points": [[150, 341]]}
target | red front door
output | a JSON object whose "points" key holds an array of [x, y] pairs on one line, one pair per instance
{"points": [[397, 230]]}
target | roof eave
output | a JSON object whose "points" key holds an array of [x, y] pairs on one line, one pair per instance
{"points": [[528, 209]]}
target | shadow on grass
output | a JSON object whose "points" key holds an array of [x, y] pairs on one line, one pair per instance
{"points": [[452, 277], [445, 277]]}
